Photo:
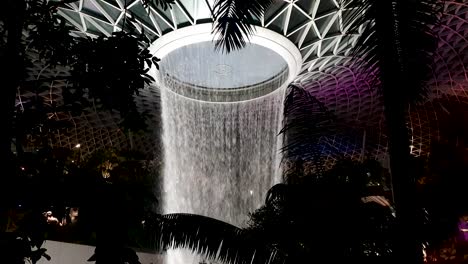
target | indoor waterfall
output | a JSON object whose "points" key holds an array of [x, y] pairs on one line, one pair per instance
{"points": [[220, 158], [220, 132]]}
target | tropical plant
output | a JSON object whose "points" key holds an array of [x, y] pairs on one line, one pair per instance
{"points": [[110, 254], [111, 71], [112, 189], [306, 121], [310, 219], [122, 196], [164, 4], [211, 238], [321, 219], [22, 241], [118, 63], [130, 176], [48, 33], [397, 44], [234, 20]]}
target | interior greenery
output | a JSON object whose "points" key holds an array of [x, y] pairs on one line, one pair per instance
{"points": [[111, 192], [298, 221]]}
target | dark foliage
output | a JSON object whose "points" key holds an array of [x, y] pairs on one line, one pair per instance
{"points": [[23, 245], [48, 178], [34, 123], [124, 187], [234, 21], [398, 41], [376, 234], [112, 70], [128, 175], [107, 72], [397, 44], [124, 62], [48, 33], [111, 234], [211, 238], [306, 121], [317, 219], [12, 67], [450, 110], [164, 4], [114, 255], [442, 191], [323, 219], [54, 180]]}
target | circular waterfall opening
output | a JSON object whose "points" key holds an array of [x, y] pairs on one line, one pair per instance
{"points": [[191, 66]]}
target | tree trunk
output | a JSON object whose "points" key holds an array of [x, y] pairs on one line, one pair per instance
{"points": [[408, 244], [394, 77], [12, 67]]}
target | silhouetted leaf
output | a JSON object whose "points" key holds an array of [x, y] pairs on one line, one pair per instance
{"points": [[398, 41], [112, 70], [211, 238], [164, 4], [306, 121], [233, 21]]}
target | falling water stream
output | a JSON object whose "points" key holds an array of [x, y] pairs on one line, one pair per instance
{"points": [[220, 155]]}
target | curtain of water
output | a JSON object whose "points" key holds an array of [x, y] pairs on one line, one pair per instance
{"points": [[220, 159]]}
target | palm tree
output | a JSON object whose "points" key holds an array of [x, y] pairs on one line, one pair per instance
{"points": [[397, 43]]}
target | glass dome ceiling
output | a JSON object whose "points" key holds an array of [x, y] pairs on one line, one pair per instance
{"points": [[316, 28]]}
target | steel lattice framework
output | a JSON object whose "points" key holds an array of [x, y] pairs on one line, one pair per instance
{"points": [[316, 27]]}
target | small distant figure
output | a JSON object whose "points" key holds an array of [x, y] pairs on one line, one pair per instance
{"points": [[73, 214], [463, 228], [71, 217], [51, 219], [462, 239]]}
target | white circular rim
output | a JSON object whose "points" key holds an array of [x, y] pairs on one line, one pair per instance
{"points": [[203, 32]]}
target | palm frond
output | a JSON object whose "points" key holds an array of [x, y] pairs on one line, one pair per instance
{"points": [[233, 21], [306, 121], [214, 239], [164, 4], [116, 255], [397, 40]]}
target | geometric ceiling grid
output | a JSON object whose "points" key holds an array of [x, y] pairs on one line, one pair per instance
{"points": [[448, 83], [328, 71], [315, 27]]}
